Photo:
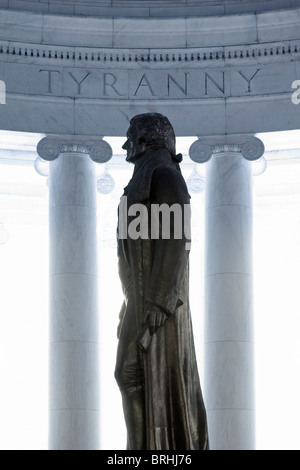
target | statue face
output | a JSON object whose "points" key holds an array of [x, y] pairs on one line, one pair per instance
{"points": [[134, 146]]}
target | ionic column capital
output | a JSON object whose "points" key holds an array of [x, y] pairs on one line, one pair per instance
{"points": [[50, 147], [250, 147]]}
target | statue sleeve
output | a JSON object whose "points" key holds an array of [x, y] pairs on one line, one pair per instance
{"points": [[170, 234]]}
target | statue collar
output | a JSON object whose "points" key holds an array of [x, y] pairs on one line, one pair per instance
{"points": [[138, 188]]}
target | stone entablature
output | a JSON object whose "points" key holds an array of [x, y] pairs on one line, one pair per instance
{"points": [[188, 82], [87, 76]]}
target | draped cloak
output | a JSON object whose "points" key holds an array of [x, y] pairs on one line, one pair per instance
{"points": [[154, 274]]}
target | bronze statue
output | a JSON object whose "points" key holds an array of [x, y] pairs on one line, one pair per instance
{"points": [[156, 367]]}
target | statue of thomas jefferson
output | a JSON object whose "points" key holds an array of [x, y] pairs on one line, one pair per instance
{"points": [[156, 367]]}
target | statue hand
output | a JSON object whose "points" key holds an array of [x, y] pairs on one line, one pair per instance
{"points": [[155, 319]]}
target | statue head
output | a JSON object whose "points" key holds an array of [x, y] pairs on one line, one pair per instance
{"points": [[149, 131]]}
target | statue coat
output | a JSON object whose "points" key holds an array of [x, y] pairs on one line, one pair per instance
{"points": [[154, 276]]}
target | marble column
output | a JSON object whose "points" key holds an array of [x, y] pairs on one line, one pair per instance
{"points": [[229, 342], [73, 325]]}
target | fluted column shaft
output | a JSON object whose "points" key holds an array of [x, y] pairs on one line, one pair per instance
{"points": [[229, 341], [73, 324]]}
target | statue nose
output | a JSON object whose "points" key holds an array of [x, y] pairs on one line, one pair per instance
{"points": [[125, 146]]}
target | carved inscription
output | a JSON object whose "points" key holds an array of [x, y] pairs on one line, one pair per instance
{"points": [[150, 84]]}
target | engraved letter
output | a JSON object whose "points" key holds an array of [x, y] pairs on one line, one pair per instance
{"points": [[183, 89], [49, 78], [79, 83], [110, 82], [147, 84], [219, 87], [248, 80]]}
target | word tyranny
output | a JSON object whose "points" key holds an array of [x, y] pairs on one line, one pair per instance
{"points": [[145, 84], [151, 84]]}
